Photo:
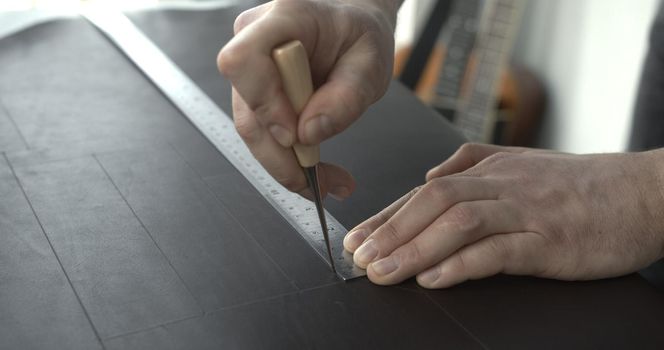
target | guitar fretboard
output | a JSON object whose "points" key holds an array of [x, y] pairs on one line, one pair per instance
{"points": [[461, 29], [494, 45]]}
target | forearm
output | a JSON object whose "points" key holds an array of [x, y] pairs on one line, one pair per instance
{"points": [[656, 158], [654, 189], [659, 172]]}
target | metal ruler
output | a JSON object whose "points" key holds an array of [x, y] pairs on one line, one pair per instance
{"points": [[218, 127]]}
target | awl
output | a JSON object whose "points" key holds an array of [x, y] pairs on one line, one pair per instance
{"points": [[293, 65]]}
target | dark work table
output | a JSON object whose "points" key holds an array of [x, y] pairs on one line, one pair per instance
{"points": [[121, 227]]}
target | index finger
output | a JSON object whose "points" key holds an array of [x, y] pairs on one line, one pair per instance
{"points": [[419, 212], [359, 234], [247, 62], [281, 162]]}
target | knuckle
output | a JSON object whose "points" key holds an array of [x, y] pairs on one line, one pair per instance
{"points": [[463, 218], [242, 20], [231, 58], [468, 148], [382, 216], [503, 155], [459, 265], [414, 191], [355, 101], [382, 79], [501, 163], [272, 110], [247, 128], [441, 189], [389, 233], [499, 157], [498, 247], [412, 254], [265, 111]]}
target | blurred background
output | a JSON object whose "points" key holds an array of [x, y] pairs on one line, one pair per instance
{"points": [[587, 54], [557, 74]]}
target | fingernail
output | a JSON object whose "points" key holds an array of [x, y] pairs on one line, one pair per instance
{"points": [[318, 129], [339, 193], [385, 266], [354, 238], [366, 253], [428, 277], [282, 135]]}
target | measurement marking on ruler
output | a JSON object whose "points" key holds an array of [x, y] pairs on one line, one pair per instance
{"points": [[209, 119]]}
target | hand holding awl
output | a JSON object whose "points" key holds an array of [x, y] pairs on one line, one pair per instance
{"points": [[293, 64]]}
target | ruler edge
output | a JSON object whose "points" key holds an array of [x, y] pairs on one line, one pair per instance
{"points": [[353, 272]]}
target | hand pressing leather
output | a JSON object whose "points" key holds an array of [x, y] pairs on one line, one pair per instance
{"points": [[490, 209]]}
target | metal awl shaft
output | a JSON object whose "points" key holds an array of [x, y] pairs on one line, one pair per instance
{"points": [[312, 179]]}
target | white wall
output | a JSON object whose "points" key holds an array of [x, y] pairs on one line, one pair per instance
{"points": [[412, 16], [589, 53]]}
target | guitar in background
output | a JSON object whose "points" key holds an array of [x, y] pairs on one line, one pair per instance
{"points": [[467, 77]]}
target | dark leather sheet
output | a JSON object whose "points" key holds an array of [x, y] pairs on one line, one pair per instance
{"points": [[122, 227]]}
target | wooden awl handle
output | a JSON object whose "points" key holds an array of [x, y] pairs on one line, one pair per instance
{"points": [[293, 64]]}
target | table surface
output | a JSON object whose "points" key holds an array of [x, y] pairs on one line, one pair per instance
{"points": [[121, 227]]}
